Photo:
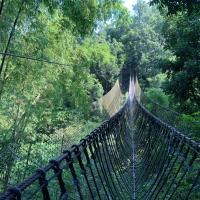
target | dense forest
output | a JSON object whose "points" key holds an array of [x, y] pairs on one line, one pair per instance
{"points": [[58, 58]]}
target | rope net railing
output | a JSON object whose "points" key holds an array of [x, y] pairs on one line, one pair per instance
{"points": [[171, 117], [167, 114], [113, 100], [133, 155]]}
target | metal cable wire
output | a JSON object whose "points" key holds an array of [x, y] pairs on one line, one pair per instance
{"points": [[1, 6], [32, 58], [11, 34]]}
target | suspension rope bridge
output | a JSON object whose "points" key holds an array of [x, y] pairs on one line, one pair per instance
{"points": [[133, 155]]}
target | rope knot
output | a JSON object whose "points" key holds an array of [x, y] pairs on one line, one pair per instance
{"points": [[88, 139], [42, 179], [56, 167], [41, 172], [16, 191], [68, 156], [83, 143], [75, 149]]}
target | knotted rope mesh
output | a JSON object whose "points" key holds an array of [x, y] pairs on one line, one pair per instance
{"points": [[113, 100], [133, 155]]}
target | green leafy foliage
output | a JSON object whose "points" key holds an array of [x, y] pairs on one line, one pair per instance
{"points": [[157, 95], [174, 6], [182, 38], [193, 123], [45, 107], [142, 42]]}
